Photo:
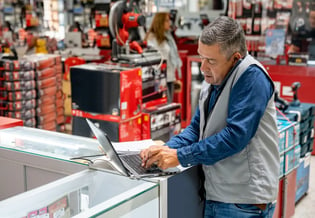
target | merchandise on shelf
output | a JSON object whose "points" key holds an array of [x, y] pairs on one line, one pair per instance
{"points": [[303, 177], [118, 131], [18, 91], [109, 90], [161, 122]]}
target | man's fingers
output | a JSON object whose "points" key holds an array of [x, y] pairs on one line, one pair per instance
{"points": [[159, 142], [150, 151], [143, 153], [144, 156], [150, 155], [151, 161], [153, 150]]}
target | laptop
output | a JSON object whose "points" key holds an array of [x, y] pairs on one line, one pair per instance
{"points": [[127, 163]]}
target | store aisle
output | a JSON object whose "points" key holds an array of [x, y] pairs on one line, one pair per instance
{"points": [[306, 207]]}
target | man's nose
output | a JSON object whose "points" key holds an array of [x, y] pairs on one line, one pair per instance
{"points": [[204, 67]]}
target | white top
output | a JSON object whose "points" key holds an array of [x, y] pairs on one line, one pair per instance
{"points": [[164, 50]]}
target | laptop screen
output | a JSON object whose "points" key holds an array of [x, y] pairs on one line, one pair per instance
{"points": [[106, 144]]}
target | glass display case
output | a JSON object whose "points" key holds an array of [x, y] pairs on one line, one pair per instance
{"points": [[47, 143], [32, 157], [36, 167], [88, 193]]}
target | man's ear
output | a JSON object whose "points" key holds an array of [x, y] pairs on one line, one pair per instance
{"points": [[237, 56]]}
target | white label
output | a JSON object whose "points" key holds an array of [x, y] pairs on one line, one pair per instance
{"points": [[287, 91], [277, 85], [124, 105], [307, 160]]}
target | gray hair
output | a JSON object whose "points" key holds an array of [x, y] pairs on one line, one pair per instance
{"points": [[227, 33]]}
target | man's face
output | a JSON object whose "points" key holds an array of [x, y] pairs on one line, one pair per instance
{"points": [[312, 19], [214, 64]]}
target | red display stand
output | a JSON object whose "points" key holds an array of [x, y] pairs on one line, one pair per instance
{"points": [[182, 96], [188, 45], [285, 75], [285, 206], [278, 212], [187, 92], [6, 122], [289, 193]]}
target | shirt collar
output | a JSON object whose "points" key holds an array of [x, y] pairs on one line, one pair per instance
{"points": [[217, 87]]}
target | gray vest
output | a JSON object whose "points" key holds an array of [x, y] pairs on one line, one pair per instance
{"points": [[251, 175]]}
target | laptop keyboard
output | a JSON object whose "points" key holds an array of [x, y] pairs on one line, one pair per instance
{"points": [[134, 161]]}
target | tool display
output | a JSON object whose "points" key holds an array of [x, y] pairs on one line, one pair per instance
{"points": [[123, 23]]}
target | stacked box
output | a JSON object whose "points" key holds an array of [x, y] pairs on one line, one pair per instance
{"points": [[50, 99], [304, 114], [117, 131], [122, 91], [281, 142], [281, 165], [297, 154], [289, 147], [161, 122], [18, 93], [297, 133], [302, 177], [107, 90], [289, 161], [111, 96], [286, 135], [154, 83], [303, 134], [294, 117]]}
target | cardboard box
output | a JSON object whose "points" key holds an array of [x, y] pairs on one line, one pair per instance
{"points": [[286, 134], [117, 131], [42, 61], [18, 85], [281, 165], [297, 154], [66, 89], [153, 80], [106, 89], [17, 65], [23, 114], [298, 59], [289, 161], [303, 177], [19, 95], [297, 133], [154, 83], [20, 105], [18, 75], [161, 122]]}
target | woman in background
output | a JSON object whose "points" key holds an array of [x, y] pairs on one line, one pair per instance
{"points": [[159, 37]]}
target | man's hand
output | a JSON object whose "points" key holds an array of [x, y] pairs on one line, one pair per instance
{"points": [[163, 156]]}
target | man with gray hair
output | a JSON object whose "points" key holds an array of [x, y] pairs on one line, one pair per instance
{"points": [[233, 133]]}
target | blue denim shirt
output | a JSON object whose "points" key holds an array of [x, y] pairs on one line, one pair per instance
{"points": [[248, 100]]}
